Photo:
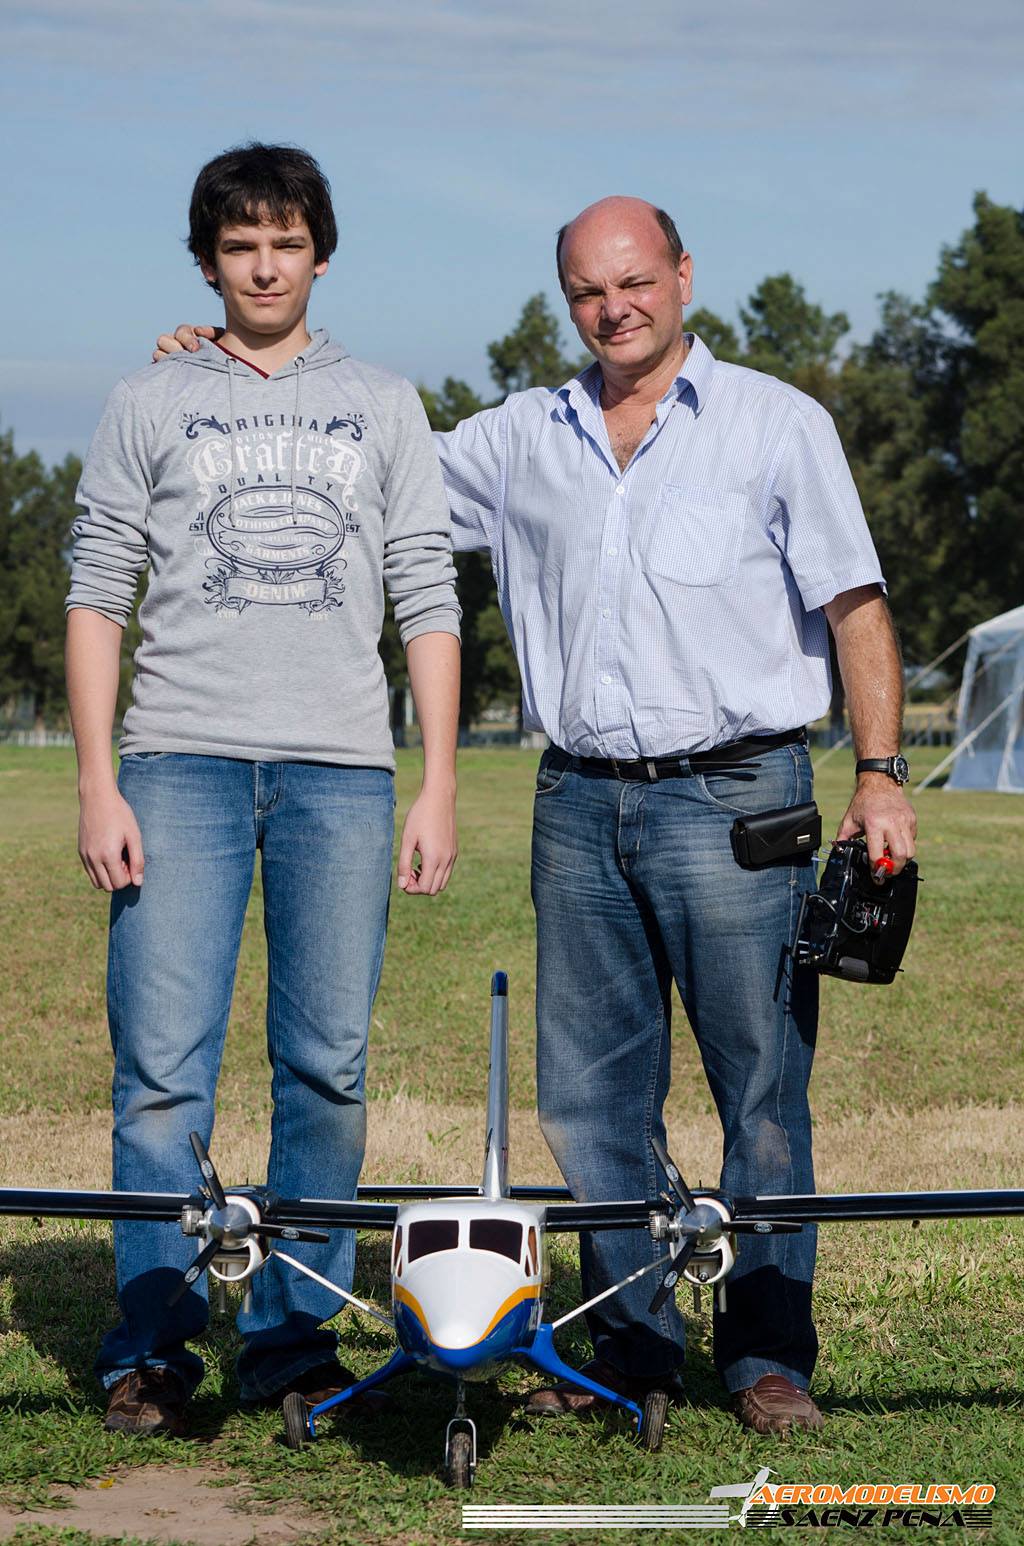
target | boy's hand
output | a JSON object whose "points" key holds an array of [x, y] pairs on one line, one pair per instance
{"points": [[430, 831], [109, 842], [183, 337]]}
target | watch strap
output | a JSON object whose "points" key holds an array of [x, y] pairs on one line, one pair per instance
{"points": [[895, 767]]}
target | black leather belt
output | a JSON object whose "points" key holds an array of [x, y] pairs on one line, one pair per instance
{"points": [[649, 770]]}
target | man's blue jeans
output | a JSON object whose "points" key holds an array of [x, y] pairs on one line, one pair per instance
{"points": [[635, 885], [324, 834]]}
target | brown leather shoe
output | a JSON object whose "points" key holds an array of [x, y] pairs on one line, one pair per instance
{"points": [[327, 1380], [774, 1405], [561, 1399], [147, 1401]]}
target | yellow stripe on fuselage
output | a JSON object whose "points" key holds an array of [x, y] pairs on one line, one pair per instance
{"points": [[403, 1296], [530, 1291]]}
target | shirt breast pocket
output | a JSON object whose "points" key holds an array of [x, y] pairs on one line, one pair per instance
{"points": [[695, 535]]}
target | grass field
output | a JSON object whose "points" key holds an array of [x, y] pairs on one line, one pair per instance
{"points": [[917, 1085]]}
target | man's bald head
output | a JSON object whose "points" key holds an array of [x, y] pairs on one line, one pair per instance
{"points": [[620, 207]]}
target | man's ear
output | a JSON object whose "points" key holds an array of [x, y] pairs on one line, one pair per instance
{"points": [[208, 271], [320, 269], [685, 279]]}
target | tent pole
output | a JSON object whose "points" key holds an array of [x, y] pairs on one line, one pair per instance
{"points": [[944, 764]]}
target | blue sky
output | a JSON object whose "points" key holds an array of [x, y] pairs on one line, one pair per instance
{"points": [[840, 141]]}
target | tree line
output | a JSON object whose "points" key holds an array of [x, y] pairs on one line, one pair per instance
{"points": [[930, 411]]}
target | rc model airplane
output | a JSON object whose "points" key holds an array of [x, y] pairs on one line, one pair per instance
{"points": [[468, 1268]]}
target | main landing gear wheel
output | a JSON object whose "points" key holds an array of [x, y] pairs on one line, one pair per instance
{"points": [[459, 1471], [296, 1428], [655, 1412]]}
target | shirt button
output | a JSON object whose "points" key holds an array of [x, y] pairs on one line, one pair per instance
{"points": [[607, 612], [612, 552], [621, 489], [606, 679]]}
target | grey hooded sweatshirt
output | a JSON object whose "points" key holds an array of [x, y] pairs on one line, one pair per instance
{"points": [[271, 514]]}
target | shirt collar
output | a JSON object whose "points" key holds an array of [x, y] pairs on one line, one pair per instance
{"points": [[694, 378]]}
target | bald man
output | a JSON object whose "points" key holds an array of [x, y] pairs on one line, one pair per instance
{"points": [[669, 535]]}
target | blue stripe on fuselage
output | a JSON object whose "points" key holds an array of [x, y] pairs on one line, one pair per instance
{"points": [[510, 1332]]}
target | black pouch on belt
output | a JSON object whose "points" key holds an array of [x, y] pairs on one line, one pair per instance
{"points": [[776, 837]]}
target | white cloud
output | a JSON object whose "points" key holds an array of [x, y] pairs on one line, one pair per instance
{"points": [[731, 63]]}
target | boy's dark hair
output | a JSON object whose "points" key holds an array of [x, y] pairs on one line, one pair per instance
{"points": [[252, 183]]}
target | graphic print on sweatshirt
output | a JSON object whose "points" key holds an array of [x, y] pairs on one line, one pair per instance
{"points": [[276, 504]]}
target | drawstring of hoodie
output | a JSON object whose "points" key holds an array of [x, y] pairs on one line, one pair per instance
{"points": [[295, 433], [295, 437], [231, 434]]}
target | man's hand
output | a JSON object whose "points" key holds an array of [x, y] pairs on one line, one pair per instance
{"points": [[881, 811], [869, 660], [183, 337], [109, 842], [429, 830]]}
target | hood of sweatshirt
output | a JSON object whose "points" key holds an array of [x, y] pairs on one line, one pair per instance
{"points": [[320, 352]]}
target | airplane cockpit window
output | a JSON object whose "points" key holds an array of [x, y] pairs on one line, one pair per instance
{"points": [[499, 1235], [429, 1235]]}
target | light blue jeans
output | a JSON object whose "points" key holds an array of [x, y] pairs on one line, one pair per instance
{"points": [[324, 834], [635, 885]]}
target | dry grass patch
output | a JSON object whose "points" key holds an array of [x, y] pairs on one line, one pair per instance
{"points": [[416, 1141]]}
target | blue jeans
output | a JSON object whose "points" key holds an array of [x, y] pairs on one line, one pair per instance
{"points": [[324, 834], [635, 885]]}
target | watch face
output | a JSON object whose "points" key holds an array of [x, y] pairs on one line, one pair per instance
{"points": [[900, 769]]}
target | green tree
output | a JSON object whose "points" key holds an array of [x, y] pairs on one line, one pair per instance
{"points": [[932, 414], [36, 511], [532, 354], [979, 296], [887, 399], [789, 336], [720, 336]]}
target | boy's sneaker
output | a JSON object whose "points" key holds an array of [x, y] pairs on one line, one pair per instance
{"points": [[147, 1401]]}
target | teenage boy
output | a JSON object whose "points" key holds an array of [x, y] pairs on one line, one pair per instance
{"points": [[273, 487]]}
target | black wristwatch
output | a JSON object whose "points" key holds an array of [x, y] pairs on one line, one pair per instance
{"points": [[898, 768]]}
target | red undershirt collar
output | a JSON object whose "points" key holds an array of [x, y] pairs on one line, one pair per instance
{"points": [[242, 361]]}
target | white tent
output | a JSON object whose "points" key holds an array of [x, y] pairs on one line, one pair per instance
{"points": [[989, 747]]}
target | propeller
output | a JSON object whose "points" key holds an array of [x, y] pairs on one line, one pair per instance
{"points": [[684, 1199], [207, 1171], [192, 1274], [676, 1183], [668, 1283], [231, 1219], [699, 1223]]}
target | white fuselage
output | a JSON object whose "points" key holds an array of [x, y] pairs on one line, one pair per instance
{"points": [[467, 1281]]}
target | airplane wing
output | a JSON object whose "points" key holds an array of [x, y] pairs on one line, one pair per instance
{"points": [[765, 1214], [865, 1207], [166, 1207], [768, 1215], [36, 1203]]}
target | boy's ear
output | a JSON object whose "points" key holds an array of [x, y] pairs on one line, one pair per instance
{"points": [[208, 271], [320, 269]]}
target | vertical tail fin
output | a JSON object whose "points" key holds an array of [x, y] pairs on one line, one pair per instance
{"points": [[495, 1182]]}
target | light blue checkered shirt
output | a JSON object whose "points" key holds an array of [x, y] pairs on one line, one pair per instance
{"points": [[676, 605]]}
